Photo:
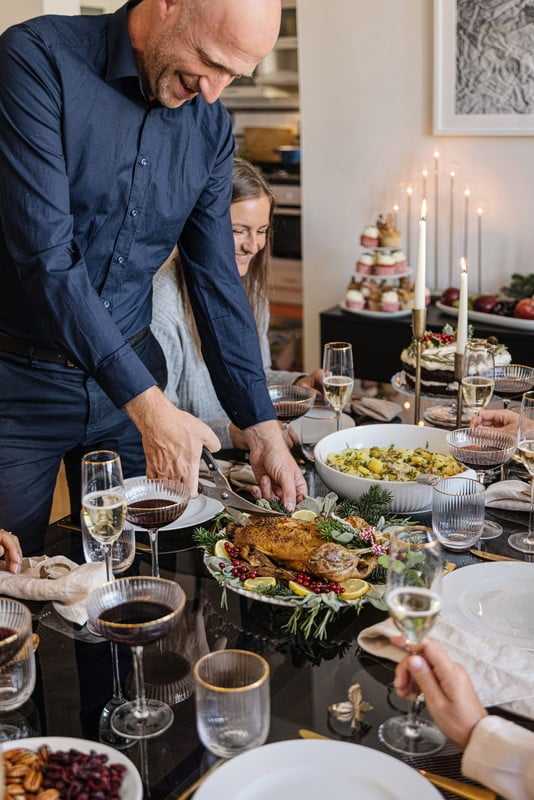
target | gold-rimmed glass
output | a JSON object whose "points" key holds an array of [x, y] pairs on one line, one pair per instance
{"points": [[338, 376], [478, 375], [232, 701], [524, 542]]}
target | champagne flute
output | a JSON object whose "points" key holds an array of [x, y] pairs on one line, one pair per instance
{"points": [[478, 375], [104, 516], [413, 595], [525, 444], [338, 375]]}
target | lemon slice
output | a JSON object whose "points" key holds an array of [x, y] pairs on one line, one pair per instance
{"points": [[305, 514], [220, 549], [354, 587], [297, 588], [256, 584]]}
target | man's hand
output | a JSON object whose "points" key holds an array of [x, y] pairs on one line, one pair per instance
{"points": [[10, 549], [275, 469], [507, 421], [314, 380], [172, 439]]}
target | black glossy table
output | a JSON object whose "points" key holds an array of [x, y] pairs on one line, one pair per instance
{"points": [[377, 343], [74, 668]]}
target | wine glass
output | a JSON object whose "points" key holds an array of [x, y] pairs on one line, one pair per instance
{"points": [[512, 381], [478, 375], [413, 595], [103, 516], [482, 449], [525, 444], [152, 503], [137, 611], [338, 375], [291, 402], [17, 661]]}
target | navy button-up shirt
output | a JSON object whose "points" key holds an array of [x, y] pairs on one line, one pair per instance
{"points": [[96, 187]]}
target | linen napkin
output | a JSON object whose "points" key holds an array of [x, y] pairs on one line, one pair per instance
{"points": [[383, 410], [500, 672], [512, 495], [240, 476], [58, 579]]}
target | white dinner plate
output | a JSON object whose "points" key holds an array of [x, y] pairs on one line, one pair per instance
{"points": [[365, 312], [494, 599], [316, 413], [132, 787], [200, 509], [315, 769], [490, 319]]}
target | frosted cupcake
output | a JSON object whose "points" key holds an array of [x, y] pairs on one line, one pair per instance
{"points": [[400, 261], [354, 300], [365, 263], [390, 301], [369, 236], [390, 237], [385, 264]]}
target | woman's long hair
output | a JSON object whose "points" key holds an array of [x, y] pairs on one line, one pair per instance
{"points": [[248, 183]]}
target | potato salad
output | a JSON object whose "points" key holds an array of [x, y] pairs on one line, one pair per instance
{"points": [[393, 463]]}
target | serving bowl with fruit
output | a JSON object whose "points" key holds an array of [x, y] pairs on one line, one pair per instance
{"points": [[513, 302]]}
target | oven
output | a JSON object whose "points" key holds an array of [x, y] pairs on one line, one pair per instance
{"points": [[285, 272]]}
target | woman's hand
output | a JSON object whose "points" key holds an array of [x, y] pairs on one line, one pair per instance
{"points": [[506, 421], [11, 550], [314, 380], [449, 693]]}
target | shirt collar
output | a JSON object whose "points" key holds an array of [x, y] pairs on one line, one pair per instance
{"points": [[121, 58]]}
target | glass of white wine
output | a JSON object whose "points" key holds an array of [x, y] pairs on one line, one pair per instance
{"points": [[413, 596], [525, 445], [103, 500], [338, 376], [478, 376]]}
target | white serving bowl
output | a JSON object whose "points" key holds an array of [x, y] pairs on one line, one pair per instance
{"points": [[408, 496]]}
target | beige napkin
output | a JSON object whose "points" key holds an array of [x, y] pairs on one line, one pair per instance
{"points": [[43, 578], [501, 673], [383, 410], [512, 495], [240, 476]]}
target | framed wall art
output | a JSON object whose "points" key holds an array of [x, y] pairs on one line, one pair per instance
{"points": [[484, 68]]}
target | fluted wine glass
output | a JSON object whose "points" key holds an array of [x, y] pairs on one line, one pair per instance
{"points": [[525, 445], [136, 611], [413, 596], [338, 376], [17, 662]]}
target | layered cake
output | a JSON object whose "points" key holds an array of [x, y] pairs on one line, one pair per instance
{"points": [[437, 361]]}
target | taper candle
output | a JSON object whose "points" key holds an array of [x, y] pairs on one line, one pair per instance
{"points": [[420, 269], [409, 192], [461, 332], [452, 175], [480, 211], [436, 218], [425, 176], [467, 194], [396, 215]]}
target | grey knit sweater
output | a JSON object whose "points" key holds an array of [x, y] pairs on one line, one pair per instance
{"points": [[189, 384]]}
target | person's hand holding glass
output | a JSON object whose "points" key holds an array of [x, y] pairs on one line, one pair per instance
{"points": [[338, 375], [525, 445], [413, 596]]}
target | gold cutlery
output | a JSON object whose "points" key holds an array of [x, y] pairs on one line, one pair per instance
{"points": [[491, 556], [194, 786], [450, 784]]}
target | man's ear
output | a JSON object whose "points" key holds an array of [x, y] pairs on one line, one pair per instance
{"points": [[167, 8]]}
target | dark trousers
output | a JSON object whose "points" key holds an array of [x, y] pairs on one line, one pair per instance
{"points": [[51, 412]]}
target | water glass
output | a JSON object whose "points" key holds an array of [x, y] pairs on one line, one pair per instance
{"points": [[318, 423], [122, 549], [458, 512], [233, 701], [17, 679]]}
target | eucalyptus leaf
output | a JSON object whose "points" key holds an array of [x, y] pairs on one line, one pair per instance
{"points": [[343, 537]]}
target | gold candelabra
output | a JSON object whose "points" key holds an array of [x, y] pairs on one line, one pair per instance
{"points": [[458, 372], [418, 329]]}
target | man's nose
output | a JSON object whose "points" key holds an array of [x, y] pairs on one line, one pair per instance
{"points": [[211, 86]]}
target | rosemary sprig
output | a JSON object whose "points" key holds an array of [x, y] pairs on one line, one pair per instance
{"points": [[206, 539]]}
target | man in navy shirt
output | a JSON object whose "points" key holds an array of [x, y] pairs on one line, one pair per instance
{"points": [[113, 148]]}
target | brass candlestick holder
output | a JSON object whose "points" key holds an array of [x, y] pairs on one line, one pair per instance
{"points": [[418, 329], [458, 372]]}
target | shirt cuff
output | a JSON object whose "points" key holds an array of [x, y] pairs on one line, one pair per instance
{"points": [[123, 376], [499, 755]]}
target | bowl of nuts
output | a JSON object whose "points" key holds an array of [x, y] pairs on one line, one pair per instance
{"points": [[53, 767]]}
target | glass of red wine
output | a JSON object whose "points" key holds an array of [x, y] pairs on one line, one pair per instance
{"points": [[512, 381], [137, 611], [152, 503], [482, 449], [17, 663], [291, 402]]}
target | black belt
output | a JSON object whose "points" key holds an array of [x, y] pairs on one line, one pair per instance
{"points": [[20, 347]]}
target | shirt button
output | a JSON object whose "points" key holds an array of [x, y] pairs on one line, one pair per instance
{"points": [[120, 259], [133, 212], [144, 162], [106, 304]]}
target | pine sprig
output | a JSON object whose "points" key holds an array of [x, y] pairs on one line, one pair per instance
{"points": [[206, 539], [372, 506], [335, 530]]}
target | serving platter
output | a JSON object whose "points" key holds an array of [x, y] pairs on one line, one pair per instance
{"points": [[489, 319], [404, 312]]}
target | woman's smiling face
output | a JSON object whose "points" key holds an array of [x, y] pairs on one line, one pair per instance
{"points": [[250, 225]]}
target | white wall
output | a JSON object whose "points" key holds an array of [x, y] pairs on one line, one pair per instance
{"points": [[366, 127], [13, 13]]}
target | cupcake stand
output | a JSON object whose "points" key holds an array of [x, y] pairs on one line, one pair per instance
{"points": [[390, 277]]}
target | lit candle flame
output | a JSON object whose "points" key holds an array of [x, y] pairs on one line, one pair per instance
{"points": [[436, 154], [467, 191], [425, 173], [452, 173], [409, 190], [463, 265], [423, 209], [396, 207], [480, 211]]}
